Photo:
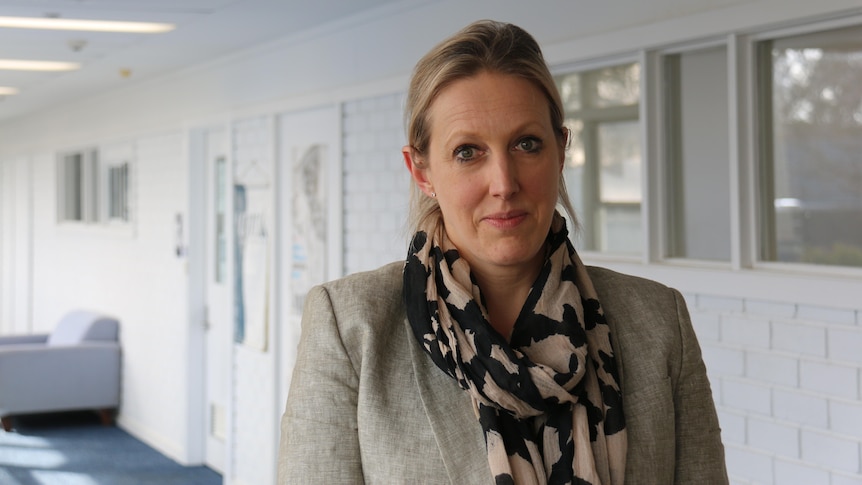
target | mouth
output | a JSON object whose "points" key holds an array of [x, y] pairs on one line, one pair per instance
{"points": [[506, 220]]}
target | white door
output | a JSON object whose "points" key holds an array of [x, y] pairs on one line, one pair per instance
{"points": [[218, 298]]}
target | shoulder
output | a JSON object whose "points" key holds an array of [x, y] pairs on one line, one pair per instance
{"points": [[381, 283], [607, 280], [622, 293], [640, 310], [365, 300]]}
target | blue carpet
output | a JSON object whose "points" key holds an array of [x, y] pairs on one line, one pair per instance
{"points": [[74, 449]]}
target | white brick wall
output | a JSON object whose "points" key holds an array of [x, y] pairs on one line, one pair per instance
{"points": [[376, 183], [787, 380]]}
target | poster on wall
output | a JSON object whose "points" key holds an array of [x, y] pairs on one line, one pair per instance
{"points": [[308, 210], [252, 193]]}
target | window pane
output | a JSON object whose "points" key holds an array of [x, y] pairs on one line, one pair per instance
{"points": [[619, 187], [697, 154], [615, 86], [220, 204], [570, 92], [77, 186], [90, 186], [73, 172], [620, 159], [118, 198], [603, 162], [813, 203]]}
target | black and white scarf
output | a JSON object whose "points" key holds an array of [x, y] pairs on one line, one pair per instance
{"points": [[548, 400]]}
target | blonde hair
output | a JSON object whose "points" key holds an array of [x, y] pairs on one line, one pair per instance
{"points": [[483, 46]]}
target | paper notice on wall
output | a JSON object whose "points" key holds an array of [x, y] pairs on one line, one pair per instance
{"points": [[252, 269], [309, 238]]}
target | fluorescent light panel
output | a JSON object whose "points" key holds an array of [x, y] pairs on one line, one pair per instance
{"points": [[24, 65], [4, 91], [49, 23]]}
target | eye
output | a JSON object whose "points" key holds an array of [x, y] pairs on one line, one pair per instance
{"points": [[529, 144], [465, 153]]}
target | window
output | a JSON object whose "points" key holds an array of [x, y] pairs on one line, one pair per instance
{"points": [[118, 192], [810, 117], [603, 163], [220, 205], [696, 154], [93, 187], [77, 180]]}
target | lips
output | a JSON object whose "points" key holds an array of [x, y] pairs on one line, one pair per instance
{"points": [[506, 220]]}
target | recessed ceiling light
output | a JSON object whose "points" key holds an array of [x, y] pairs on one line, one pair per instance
{"points": [[88, 25], [4, 91], [23, 65]]}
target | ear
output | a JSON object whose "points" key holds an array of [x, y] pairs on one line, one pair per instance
{"points": [[567, 134], [418, 169]]}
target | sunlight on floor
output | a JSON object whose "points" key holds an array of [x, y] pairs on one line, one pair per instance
{"points": [[29, 452], [66, 478]]}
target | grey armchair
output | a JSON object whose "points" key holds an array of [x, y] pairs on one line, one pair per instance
{"points": [[75, 367]]}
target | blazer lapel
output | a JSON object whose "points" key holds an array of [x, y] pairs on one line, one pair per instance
{"points": [[450, 412]]}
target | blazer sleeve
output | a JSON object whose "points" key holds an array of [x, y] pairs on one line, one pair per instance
{"points": [[699, 451], [319, 440]]}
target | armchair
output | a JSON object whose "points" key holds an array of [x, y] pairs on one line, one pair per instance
{"points": [[77, 366]]}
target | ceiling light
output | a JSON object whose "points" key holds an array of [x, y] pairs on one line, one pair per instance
{"points": [[20, 65], [88, 25], [4, 91]]}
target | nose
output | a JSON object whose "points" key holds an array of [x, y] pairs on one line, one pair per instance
{"points": [[503, 177]]}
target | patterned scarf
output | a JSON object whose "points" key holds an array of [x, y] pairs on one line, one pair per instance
{"points": [[549, 400]]}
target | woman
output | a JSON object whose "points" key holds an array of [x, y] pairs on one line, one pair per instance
{"points": [[493, 355]]}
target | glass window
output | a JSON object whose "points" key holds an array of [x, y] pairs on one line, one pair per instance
{"points": [[810, 111], [93, 188], [118, 192], [77, 182], [220, 205], [603, 162], [696, 154]]}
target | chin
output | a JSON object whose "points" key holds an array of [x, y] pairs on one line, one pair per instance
{"points": [[515, 256]]}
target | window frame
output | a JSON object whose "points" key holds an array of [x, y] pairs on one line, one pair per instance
{"points": [[98, 162], [760, 153], [619, 113], [664, 160], [744, 145]]}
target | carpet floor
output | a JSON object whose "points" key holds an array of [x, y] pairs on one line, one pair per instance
{"points": [[74, 449]]}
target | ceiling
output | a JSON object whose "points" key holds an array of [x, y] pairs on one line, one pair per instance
{"points": [[205, 30]]}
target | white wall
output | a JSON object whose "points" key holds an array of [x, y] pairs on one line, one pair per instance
{"points": [[16, 228], [132, 273], [743, 317]]}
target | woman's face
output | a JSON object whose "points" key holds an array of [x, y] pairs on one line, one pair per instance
{"points": [[494, 162]]}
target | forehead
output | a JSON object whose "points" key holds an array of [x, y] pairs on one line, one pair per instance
{"points": [[488, 100]]}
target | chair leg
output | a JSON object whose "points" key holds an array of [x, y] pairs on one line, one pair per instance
{"points": [[7, 423], [106, 416]]}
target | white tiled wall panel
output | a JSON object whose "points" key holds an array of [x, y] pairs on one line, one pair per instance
{"points": [[376, 183], [787, 384]]}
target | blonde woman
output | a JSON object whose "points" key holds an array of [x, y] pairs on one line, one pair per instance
{"points": [[493, 354]]}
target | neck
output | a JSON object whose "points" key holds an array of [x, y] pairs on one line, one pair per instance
{"points": [[505, 292]]}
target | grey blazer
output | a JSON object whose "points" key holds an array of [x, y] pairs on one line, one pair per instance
{"points": [[366, 405]]}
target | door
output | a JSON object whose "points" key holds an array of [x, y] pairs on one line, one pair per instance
{"points": [[218, 301]]}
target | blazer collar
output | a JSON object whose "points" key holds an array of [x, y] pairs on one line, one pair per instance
{"points": [[453, 421]]}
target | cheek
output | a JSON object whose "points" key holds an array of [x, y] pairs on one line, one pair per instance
{"points": [[459, 199], [546, 182]]}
